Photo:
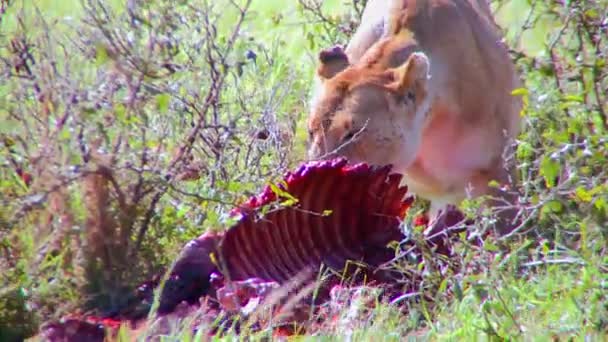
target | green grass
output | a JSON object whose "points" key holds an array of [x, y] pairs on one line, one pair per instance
{"points": [[555, 288], [552, 301]]}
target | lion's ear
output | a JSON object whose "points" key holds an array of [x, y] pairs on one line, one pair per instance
{"points": [[332, 61], [415, 70]]}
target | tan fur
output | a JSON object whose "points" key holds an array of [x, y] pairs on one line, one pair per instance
{"points": [[457, 148]]}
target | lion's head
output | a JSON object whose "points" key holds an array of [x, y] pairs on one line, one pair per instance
{"points": [[367, 112]]}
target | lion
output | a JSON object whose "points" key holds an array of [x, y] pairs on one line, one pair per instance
{"points": [[424, 85]]}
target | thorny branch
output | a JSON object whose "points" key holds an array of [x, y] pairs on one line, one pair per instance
{"points": [[127, 123]]}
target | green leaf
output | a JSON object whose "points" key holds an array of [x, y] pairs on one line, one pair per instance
{"points": [[289, 202], [583, 195], [494, 184], [553, 206], [120, 113], [282, 193], [490, 247], [573, 98], [592, 14], [311, 40], [101, 56], [65, 134], [162, 102], [327, 212], [601, 204], [183, 91], [525, 150], [520, 92], [549, 169], [523, 92], [181, 213], [275, 189]]}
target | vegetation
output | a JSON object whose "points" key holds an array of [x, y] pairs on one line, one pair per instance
{"points": [[129, 127]]}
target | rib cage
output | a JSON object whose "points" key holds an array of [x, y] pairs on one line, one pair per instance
{"points": [[366, 203]]}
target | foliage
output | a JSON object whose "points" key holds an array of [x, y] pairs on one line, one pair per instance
{"points": [[131, 127]]}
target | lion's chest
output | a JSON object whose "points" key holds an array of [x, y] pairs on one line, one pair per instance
{"points": [[450, 153]]}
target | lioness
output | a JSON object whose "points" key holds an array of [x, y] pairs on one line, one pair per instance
{"points": [[447, 131]]}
